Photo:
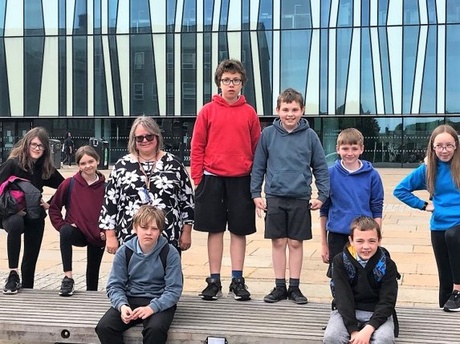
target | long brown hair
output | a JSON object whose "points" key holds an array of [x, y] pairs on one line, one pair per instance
{"points": [[21, 152], [431, 158]]}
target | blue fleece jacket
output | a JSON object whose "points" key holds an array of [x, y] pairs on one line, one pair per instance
{"points": [[352, 194], [287, 160], [145, 277], [446, 198]]}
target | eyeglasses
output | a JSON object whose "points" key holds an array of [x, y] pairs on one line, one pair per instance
{"points": [[448, 147], [38, 146], [228, 81], [148, 137]]}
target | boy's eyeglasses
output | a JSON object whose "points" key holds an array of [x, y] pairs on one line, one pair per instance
{"points": [[228, 81], [448, 147], [38, 146], [148, 137]]}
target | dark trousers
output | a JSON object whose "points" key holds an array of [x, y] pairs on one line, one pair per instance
{"points": [[15, 226], [336, 243], [110, 328], [446, 248], [73, 236]]}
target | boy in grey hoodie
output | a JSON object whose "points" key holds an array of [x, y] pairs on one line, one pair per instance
{"points": [[141, 287], [288, 154]]}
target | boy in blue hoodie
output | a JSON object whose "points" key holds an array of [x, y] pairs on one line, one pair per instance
{"points": [[356, 189], [288, 154], [143, 288]]}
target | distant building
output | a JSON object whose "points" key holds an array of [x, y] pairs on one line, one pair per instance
{"points": [[389, 68]]}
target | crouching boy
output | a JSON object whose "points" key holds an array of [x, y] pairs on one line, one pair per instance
{"points": [[364, 285], [145, 283]]}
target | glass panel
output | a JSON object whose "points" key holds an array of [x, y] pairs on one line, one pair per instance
{"points": [[294, 62], [224, 14], [170, 15], [365, 14], [143, 80], [115, 69], [388, 147], [81, 17], [189, 16], [2, 16], [265, 15], [323, 72], [432, 16], [452, 68], [140, 18], [345, 15], [342, 68], [265, 50], [453, 11], [62, 67], [4, 90], [188, 74], [33, 66], [61, 17], [80, 75], [411, 12], [170, 108], [411, 35], [325, 12], [100, 86], [33, 18], [416, 133], [429, 85], [208, 81], [97, 16], [385, 61], [367, 96], [208, 6], [295, 14], [113, 8], [383, 12], [246, 52]]}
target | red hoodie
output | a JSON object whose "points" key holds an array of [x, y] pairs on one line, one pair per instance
{"points": [[85, 207], [224, 139]]}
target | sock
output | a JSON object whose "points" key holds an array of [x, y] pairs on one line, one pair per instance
{"points": [[237, 273], [280, 282], [215, 276], [294, 282]]}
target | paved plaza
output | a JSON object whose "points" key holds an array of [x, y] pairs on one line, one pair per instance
{"points": [[405, 231]]}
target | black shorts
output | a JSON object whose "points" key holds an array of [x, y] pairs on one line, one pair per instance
{"points": [[288, 218], [224, 200]]}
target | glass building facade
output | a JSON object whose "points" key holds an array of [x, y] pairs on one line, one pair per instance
{"points": [[389, 68]]}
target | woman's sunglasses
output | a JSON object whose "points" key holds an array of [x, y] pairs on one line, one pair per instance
{"points": [[148, 137]]}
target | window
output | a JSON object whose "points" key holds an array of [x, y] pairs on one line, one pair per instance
{"points": [[188, 60], [138, 91], [139, 60]]}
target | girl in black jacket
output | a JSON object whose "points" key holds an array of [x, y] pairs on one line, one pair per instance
{"points": [[29, 159]]}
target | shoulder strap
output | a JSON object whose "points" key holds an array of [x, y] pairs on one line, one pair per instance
{"points": [[163, 255], [68, 193]]}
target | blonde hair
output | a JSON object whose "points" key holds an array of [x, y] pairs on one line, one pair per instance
{"points": [[148, 213], [21, 151], [431, 158], [149, 124], [350, 136]]}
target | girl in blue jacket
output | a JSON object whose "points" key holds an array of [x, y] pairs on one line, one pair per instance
{"points": [[440, 176]]}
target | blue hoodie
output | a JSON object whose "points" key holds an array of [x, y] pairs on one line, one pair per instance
{"points": [[287, 160], [446, 197], [352, 194], [145, 277]]}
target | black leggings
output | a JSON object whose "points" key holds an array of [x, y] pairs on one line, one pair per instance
{"points": [[446, 248], [15, 226], [73, 236]]}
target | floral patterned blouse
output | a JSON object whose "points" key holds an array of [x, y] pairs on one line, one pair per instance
{"points": [[164, 184]]}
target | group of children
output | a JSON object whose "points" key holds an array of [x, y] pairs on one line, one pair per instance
{"points": [[231, 159]]}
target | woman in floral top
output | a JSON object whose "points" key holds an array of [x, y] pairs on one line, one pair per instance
{"points": [[148, 175]]}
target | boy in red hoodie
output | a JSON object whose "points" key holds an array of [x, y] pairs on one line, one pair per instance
{"points": [[224, 140]]}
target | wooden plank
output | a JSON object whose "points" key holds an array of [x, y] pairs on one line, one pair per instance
{"points": [[41, 316]]}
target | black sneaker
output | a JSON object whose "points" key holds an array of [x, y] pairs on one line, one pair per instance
{"points": [[296, 295], [12, 283], [453, 304], [67, 287], [213, 291], [277, 294], [239, 289]]}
